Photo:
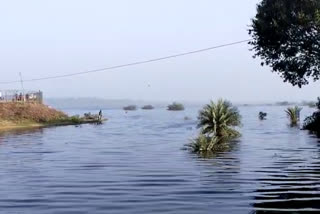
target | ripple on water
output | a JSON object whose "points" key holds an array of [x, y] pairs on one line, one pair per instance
{"points": [[134, 164]]}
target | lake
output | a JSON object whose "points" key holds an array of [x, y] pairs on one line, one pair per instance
{"points": [[134, 163]]}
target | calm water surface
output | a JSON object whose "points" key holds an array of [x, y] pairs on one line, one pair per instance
{"points": [[134, 164]]}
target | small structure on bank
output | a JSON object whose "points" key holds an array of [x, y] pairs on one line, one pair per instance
{"points": [[21, 96]]}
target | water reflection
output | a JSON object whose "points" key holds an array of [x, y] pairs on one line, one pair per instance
{"points": [[22, 131]]}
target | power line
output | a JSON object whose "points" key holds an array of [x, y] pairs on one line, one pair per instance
{"points": [[131, 64]]}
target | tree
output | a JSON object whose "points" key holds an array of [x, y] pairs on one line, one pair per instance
{"points": [[286, 36]]}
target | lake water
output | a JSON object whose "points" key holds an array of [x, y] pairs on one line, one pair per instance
{"points": [[134, 163]]}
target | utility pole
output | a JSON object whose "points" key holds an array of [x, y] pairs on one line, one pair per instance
{"points": [[21, 80]]}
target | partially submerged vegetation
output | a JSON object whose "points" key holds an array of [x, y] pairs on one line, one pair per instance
{"points": [[312, 123], [147, 107], [175, 107], [262, 115], [293, 114], [25, 115], [216, 122], [130, 108]]}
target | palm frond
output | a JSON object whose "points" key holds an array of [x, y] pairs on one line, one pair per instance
{"points": [[294, 115]]}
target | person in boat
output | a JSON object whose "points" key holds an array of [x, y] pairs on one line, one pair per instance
{"points": [[100, 115]]}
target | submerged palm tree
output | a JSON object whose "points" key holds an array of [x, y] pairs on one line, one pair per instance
{"points": [[294, 115], [216, 121]]}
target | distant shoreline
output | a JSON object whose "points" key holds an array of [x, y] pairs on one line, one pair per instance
{"points": [[112, 104], [14, 116]]}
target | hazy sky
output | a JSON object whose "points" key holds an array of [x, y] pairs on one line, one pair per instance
{"points": [[43, 38]]}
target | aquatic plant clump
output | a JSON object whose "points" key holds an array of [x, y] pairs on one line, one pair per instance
{"points": [[262, 115], [216, 122], [175, 107], [294, 115], [130, 108], [147, 107]]}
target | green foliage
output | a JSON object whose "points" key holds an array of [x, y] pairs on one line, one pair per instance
{"points": [[175, 107], [75, 119], [312, 123], [216, 121], [286, 37], [207, 146], [204, 143], [294, 115]]}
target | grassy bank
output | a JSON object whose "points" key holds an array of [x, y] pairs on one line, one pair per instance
{"points": [[29, 115]]}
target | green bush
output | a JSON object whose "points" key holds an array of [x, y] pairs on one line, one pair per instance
{"points": [[75, 119], [312, 123]]}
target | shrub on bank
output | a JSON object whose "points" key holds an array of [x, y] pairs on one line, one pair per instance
{"points": [[312, 123]]}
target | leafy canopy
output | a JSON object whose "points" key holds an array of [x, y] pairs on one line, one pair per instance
{"points": [[286, 36]]}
